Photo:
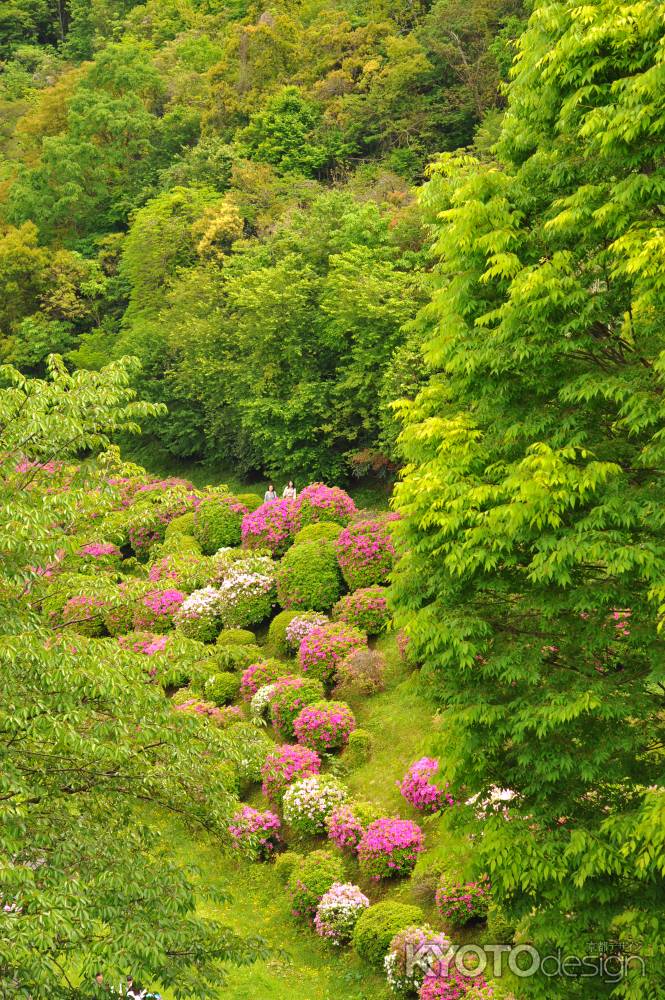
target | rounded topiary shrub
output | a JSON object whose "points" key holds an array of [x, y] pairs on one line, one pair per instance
{"points": [[182, 525], [318, 502], [378, 925], [389, 847], [325, 646], [324, 726], [310, 878], [361, 673], [187, 571], [285, 863], [288, 699], [245, 597], [366, 608], [338, 912], [222, 688], [178, 545], [321, 531], [366, 553], [358, 749], [346, 824], [308, 802], [277, 632], [198, 617], [258, 674], [414, 953], [285, 765], [270, 526], [236, 637], [234, 658], [252, 501], [308, 577], [218, 522], [155, 611], [460, 903], [300, 625]]}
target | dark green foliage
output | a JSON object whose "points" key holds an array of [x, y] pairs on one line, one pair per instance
{"points": [[308, 577], [377, 926]]}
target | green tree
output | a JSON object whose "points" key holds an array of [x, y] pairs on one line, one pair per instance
{"points": [[533, 536]]}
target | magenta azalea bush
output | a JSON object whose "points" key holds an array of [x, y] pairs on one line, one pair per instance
{"points": [[270, 526], [325, 725], [222, 717], [420, 791], [389, 847], [325, 645], [288, 699], [156, 609], [258, 675], [366, 609], [301, 626], [365, 553], [255, 833], [413, 954], [338, 912], [462, 902], [318, 502], [309, 801], [285, 765], [146, 643], [83, 615], [345, 827], [455, 984], [100, 553]]}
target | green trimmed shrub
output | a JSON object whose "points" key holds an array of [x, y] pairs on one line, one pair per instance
{"points": [[358, 749], [308, 577], [181, 525], [222, 688], [366, 608], [235, 658], [285, 863], [217, 523], [252, 501], [236, 637], [378, 925], [310, 878], [321, 531], [178, 545], [277, 632]]}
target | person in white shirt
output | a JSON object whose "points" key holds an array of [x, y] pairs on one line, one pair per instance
{"points": [[289, 491], [270, 493]]}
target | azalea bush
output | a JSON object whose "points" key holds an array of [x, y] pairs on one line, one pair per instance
{"points": [[324, 725], [456, 984], [461, 902], [222, 688], [255, 833], [308, 577], [300, 625], [83, 615], [420, 790], [415, 953], [310, 800], [258, 675], [155, 610], [366, 553], [285, 765], [146, 643], [277, 632], [100, 554], [259, 706], [346, 824], [361, 673], [378, 925], [199, 615], [218, 522], [270, 526], [338, 912], [311, 877], [366, 608], [245, 597], [318, 502], [325, 646], [390, 847], [187, 571], [288, 699], [222, 717]]}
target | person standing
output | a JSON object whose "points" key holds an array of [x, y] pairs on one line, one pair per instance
{"points": [[270, 493], [134, 990], [289, 491]]}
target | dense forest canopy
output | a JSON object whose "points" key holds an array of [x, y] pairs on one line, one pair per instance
{"points": [[225, 191]]}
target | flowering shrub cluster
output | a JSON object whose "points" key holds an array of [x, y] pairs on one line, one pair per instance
{"points": [[309, 801], [227, 561], [346, 826], [245, 598], [325, 645], [310, 879], [420, 791], [462, 902], [285, 765], [260, 703], [258, 675], [455, 984], [338, 911], [308, 577], [83, 613], [198, 617], [366, 554], [269, 526], [290, 696], [146, 643], [390, 847], [318, 502], [218, 522], [361, 673], [414, 953], [186, 569], [300, 626], [222, 717], [104, 553], [366, 608], [324, 726], [255, 833], [156, 609]]}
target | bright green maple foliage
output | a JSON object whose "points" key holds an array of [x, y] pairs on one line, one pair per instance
{"points": [[533, 579]]}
